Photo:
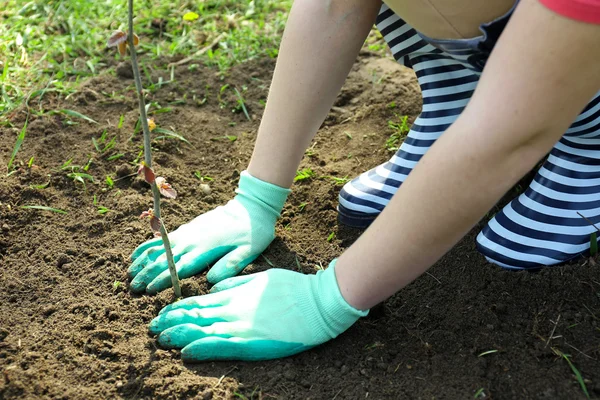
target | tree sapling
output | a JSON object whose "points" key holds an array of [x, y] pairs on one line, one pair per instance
{"points": [[159, 184]]}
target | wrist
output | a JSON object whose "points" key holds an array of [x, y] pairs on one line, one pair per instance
{"points": [[334, 309], [256, 193]]}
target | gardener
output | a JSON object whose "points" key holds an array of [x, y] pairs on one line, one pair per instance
{"points": [[500, 112]]}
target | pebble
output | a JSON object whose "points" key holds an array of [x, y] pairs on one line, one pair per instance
{"points": [[3, 334], [5, 227], [62, 260], [119, 384], [205, 189], [207, 395], [344, 369]]}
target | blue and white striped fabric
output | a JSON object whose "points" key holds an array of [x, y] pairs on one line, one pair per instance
{"points": [[542, 226]]}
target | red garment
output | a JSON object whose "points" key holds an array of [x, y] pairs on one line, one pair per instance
{"points": [[581, 10]]}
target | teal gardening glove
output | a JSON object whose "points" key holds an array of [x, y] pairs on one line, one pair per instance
{"points": [[271, 314], [232, 236]]}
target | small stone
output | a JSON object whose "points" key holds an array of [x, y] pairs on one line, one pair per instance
{"points": [[344, 369], [364, 372], [123, 170], [207, 395], [5, 227], [382, 366], [113, 316], [48, 311], [119, 384], [205, 189], [60, 355], [62, 260], [3, 334], [124, 70]]}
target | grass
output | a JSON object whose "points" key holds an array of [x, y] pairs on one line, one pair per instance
{"points": [[50, 47], [45, 208], [400, 129], [304, 174], [576, 372]]}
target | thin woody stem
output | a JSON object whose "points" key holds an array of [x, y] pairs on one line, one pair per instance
{"points": [[148, 154]]}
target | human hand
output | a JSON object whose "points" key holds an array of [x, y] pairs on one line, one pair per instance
{"points": [[271, 314], [232, 236]]}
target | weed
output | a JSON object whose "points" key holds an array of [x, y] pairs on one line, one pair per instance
{"points": [[45, 208], [109, 182], [485, 353], [331, 236], [241, 104], [479, 393], [103, 210], [400, 129], [117, 285], [304, 174], [75, 114], [578, 375], [203, 178], [339, 181], [18, 144], [302, 206]]}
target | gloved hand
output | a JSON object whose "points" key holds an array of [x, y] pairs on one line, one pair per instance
{"points": [[233, 235], [271, 314]]}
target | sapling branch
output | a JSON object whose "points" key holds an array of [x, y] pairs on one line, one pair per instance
{"points": [[148, 154]]}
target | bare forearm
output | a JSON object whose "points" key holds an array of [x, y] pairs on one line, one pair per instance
{"points": [[319, 46]]}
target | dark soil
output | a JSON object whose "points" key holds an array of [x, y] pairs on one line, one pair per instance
{"points": [[69, 330]]}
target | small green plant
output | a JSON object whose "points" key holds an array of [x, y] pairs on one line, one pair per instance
{"points": [[159, 185], [331, 236], [45, 208], [109, 182], [339, 181], [241, 104], [302, 206], [576, 372], [117, 285], [304, 174], [203, 178], [18, 144], [400, 129], [102, 210]]}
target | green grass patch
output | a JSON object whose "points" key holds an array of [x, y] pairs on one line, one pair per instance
{"points": [[49, 47]]}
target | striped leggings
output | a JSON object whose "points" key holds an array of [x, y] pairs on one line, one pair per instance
{"points": [[542, 226]]}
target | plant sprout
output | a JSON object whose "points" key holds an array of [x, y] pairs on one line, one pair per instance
{"points": [[159, 184]]}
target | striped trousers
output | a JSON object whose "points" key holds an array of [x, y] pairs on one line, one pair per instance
{"points": [[542, 226]]}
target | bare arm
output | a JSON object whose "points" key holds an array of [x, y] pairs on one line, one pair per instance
{"points": [[541, 74], [321, 41]]}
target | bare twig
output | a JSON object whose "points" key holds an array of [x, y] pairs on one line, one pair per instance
{"points": [[588, 221], [148, 154], [553, 329], [198, 53]]}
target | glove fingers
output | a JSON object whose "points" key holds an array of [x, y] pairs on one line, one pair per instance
{"points": [[151, 271], [197, 316], [147, 257], [179, 336], [218, 348], [145, 246], [230, 283], [189, 264], [232, 264], [207, 301]]}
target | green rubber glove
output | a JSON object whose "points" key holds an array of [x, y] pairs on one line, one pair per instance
{"points": [[272, 314], [232, 236]]}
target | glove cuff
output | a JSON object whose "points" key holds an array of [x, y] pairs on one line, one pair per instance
{"points": [[262, 193], [337, 314]]}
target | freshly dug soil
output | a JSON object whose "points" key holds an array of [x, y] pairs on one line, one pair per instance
{"points": [[70, 328]]}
